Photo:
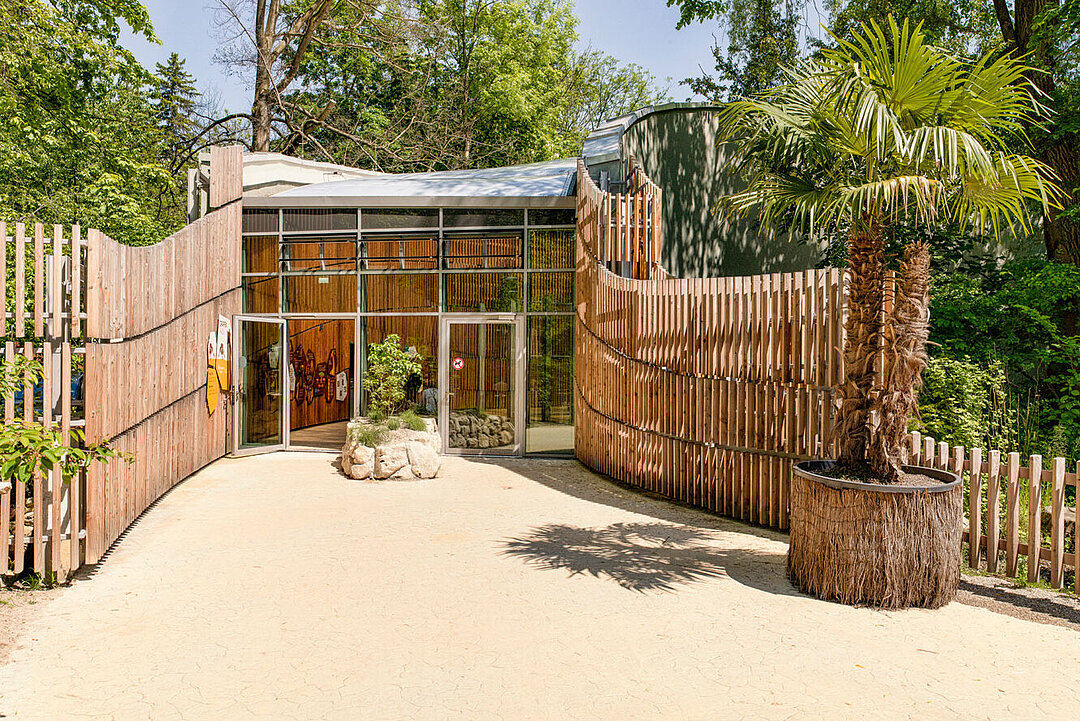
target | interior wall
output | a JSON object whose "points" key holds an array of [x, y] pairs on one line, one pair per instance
{"points": [[318, 351], [679, 152]]}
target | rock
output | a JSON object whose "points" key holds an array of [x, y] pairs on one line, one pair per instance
{"points": [[361, 462], [469, 430], [390, 460], [356, 459], [424, 461], [429, 400]]}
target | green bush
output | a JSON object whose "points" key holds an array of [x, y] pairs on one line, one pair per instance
{"points": [[369, 435], [392, 423], [964, 403], [1021, 318], [388, 368], [29, 449], [412, 421]]}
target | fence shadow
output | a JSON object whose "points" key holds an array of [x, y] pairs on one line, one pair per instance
{"points": [[647, 557], [573, 478]]}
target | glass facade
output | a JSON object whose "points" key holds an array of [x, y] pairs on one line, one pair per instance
{"points": [[398, 270]]}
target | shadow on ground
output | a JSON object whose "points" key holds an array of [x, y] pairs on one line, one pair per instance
{"points": [[647, 557], [685, 545]]}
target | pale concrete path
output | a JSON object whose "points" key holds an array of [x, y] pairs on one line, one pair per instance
{"points": [[274, 588]]}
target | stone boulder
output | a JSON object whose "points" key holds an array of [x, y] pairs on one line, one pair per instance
{"points": [[424, 461], [403, 454], [357, 460], [392, 462]]}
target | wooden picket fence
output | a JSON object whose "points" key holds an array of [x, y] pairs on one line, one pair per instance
{"points": [[43, 318], [998, 488], [703, 390], [134, 322]]}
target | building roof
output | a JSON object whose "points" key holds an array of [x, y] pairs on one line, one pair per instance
{"points": [[552, 179]]}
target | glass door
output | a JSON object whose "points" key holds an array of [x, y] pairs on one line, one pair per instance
{"points": [[261, 419], [481, 375]]}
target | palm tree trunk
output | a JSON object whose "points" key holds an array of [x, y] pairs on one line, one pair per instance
{"points": [[906, 333], [853, 429]]}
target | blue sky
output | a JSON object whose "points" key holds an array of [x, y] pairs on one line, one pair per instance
{"points": [[638, 31]]}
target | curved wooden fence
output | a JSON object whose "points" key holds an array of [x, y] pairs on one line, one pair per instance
{"points": [[703, 390], [122, 336]]}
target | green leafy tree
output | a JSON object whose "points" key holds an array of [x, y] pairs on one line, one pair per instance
{"points": [[879, 129], [761, 40], [444, 84], [78, 139], [1043, 35], [388, 368]]}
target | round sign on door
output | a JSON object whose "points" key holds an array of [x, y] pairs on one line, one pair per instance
{"points": [[458, 364]]}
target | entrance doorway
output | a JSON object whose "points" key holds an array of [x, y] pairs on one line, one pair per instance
{"points": [[482, 384], [261, 420]]}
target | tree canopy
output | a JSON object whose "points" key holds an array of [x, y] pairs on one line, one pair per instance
{"points": [[427, 84]]}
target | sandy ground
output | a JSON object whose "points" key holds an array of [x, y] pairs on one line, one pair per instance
{"points": [[274, 588]]}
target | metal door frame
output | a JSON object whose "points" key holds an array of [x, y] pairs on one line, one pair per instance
{"points": [[520, 392], [237, 390]]}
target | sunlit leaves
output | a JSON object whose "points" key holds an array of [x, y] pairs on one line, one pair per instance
{"points": [[887, 126]]}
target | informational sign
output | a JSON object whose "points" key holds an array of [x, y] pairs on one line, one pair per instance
{"points": [[224, 341], [342, 386], [458, 363], [212, 386]]}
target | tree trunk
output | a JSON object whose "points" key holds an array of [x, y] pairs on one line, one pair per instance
{"points": [[1062, 235], [853, 429], [261, 110], [1060, 152], [907, 330]]}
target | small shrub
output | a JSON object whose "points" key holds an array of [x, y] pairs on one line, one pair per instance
{"points": [[392, 423], [369, 435], [962, 403], [389, 367], [412, 421]]}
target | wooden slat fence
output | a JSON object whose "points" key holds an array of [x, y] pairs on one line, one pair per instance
{"points": [[136, 322], [703, 390], [1007, 507], [41, 278]]}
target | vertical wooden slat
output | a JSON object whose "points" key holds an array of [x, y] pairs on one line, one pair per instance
{"points": [[39, 279], [975, 508], [1057, 523], [1012, 514], [993, 509], [76, 281], [74, 489], [1034, 540], [5, 496], [20, 280], [56, 286]]}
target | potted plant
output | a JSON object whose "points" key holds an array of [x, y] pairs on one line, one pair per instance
{"points": [[879, 131]]}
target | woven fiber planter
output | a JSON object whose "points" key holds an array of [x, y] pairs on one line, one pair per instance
{"points": [[888, 546]]}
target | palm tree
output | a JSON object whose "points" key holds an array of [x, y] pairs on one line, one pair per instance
{"points": [[878, 131]]}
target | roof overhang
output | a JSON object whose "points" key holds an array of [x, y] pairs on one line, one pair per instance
{"points": [[411, 201]]}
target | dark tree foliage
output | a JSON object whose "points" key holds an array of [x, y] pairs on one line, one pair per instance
{"points": [[761, 40]]}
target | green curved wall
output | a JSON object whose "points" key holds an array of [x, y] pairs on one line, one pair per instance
{"points": [[678, 149]]}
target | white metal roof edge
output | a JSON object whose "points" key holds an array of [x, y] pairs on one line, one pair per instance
{"points": [[412, 201]]}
